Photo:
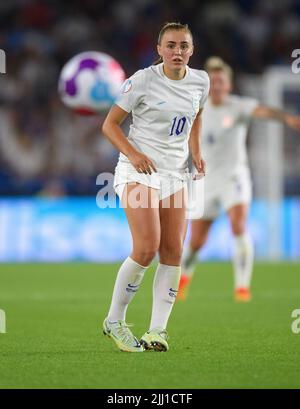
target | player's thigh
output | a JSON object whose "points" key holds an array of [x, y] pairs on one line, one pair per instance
{"points": [[173, 222], [141, 205], [199, 232], [236, 199], [238, 214]]}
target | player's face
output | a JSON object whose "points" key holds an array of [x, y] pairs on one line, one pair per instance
{"points": [[220, 86], [175, 49]]}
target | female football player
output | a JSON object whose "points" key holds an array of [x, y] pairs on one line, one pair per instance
{"points": [[166, 101], [227, 182]]}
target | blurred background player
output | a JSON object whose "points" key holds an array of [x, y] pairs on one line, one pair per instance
{"points": [[226, 119], [166, 102]]}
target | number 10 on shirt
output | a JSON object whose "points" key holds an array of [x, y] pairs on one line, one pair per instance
{"points": [[177, 125]]}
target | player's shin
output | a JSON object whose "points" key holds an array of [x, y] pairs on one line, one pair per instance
{"points": [[127, 284], [243, 255], [189, 261], [165, 288]]}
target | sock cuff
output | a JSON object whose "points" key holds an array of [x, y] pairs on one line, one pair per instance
{"points": [[242, 237], [189, 247], [166, 266], [137, 264]]}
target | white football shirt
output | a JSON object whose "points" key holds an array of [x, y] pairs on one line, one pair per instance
{"points": [[224, 131], [163, 111]]}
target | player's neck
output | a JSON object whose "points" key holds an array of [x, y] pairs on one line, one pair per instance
{"points": [[175, 75]]}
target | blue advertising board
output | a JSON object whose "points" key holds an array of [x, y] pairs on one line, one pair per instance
{"points": [[75, 229]]}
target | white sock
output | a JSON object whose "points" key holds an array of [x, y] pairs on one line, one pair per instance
{"points": [[165, 287], [127, 283], [189, 261], [243, 254]]}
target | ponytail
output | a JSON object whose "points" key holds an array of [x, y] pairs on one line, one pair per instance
{"points": [[157, 61]]}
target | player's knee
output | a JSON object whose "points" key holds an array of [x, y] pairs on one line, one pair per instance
{"points": [[171, 253], [197, 243], [144, 255], [144, 258], [238, 227]]}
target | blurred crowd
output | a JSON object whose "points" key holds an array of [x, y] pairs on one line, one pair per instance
{"points": [[46, 149]]}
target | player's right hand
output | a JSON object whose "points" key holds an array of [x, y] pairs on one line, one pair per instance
{"points": [[141, 162]]}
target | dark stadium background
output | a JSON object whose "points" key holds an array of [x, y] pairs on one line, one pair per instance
{"points": [[40, 36]]}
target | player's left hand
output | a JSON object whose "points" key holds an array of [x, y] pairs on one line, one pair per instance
{"points": [[293, 122], [199, 164]]}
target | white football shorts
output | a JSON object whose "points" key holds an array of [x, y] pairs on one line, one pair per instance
{"points": [[166, 183], [226, 193]]}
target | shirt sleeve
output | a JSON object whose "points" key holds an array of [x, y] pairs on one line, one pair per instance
{"points": [[205, 93], [132, 92], [247, 106]]}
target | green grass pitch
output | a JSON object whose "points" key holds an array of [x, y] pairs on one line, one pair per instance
{"points": [[54, 316]]}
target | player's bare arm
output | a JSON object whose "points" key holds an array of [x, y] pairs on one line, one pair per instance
{"points": [[195, 144], [264, 112], [112, 130]]}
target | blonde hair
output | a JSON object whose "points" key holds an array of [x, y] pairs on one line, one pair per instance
{"points": [[169, 27], [217, 64]]}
